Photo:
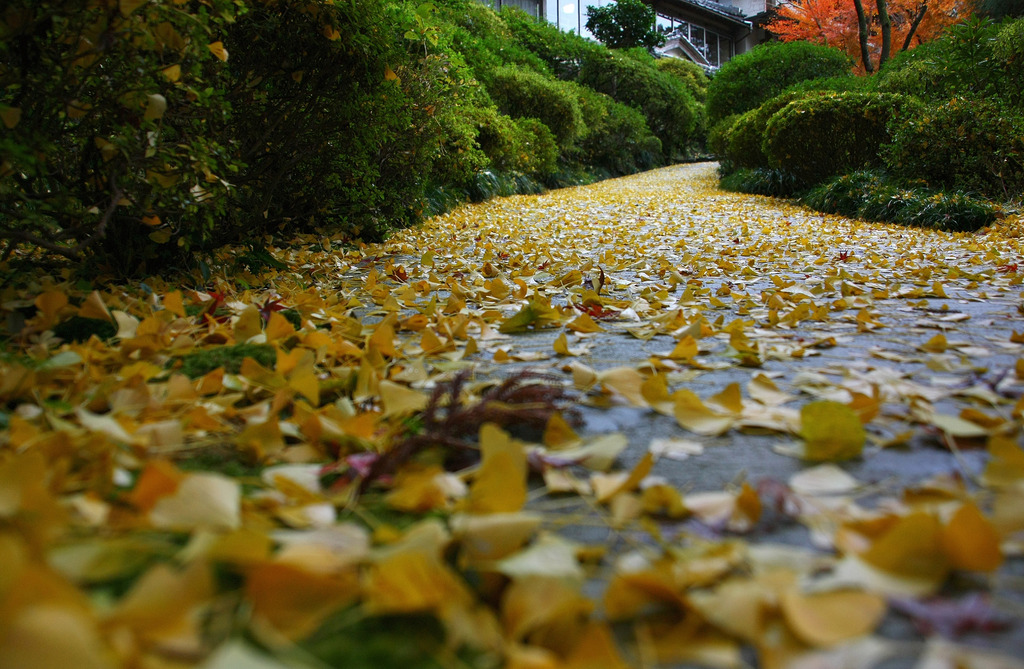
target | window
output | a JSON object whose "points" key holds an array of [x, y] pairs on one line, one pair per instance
{"points": [[697, 38], [711, 49]]}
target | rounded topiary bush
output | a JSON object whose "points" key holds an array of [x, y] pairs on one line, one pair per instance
{"points": [[718, 135], [617, 139], [668, 108], [971, 145], [525, 94], [744, 143], [821, 136], [751, 78]]}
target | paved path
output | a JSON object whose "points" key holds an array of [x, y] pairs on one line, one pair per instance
{"points": [[924, 322]]}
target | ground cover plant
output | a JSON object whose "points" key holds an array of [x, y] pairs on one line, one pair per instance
{"points": [[642, 423]]}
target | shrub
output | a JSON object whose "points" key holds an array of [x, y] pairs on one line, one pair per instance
{"points": [[843, 84], [668, 108], [761, 181], [617, 139], [845, 195], [960, 63], [526, 94], [1008, 48], [688, 72], [484, 38], [718, 135], [107, 121], [821, 136], [563, 52], [870, 195], [972, 145], [367, 98], [515, 145], [751, 78], [744, 142]]}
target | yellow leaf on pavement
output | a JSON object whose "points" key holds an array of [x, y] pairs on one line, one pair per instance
{"points": [[500, 485], [831, 431]]}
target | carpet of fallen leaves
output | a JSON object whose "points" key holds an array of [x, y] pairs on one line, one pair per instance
{"points": [[342, 463]]}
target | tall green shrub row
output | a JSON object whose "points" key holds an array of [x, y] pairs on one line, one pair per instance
{"points": [[134, 134], [941, 128]]}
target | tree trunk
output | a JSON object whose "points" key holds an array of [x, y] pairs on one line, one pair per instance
{"points": [[913, 26], [862, 31], [883, 18]]}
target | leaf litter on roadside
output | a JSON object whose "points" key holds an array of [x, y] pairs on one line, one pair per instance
{"points": [[291, 468]]}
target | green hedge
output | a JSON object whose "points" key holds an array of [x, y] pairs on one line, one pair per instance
{"points": [[524, 94], [751, 78], [112, 128], [822, 136], [970, 145], [617, 138], [668, 108], [744, 142], [563, 52]]}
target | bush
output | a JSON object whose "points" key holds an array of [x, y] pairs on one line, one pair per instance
{"points": [[718, 135], [870, 195], [525, 94], [1008, 49], [668, 108], [690, 73], [971, 145], [367, 98], [514, 145], [822, 136], [963, 62], [744, 142], [761, 181], [563, 52], [844, 84], [751, 78], [617, 139], [111, 128]]}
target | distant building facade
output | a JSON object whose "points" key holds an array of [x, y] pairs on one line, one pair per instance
{"points": [[708, 33]]}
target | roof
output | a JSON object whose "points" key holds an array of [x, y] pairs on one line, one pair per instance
{"points": [[726, 13]]}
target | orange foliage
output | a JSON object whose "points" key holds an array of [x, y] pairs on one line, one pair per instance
{"points": [[834, 23]]}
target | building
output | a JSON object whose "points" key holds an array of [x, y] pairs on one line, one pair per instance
{"points": [[708, 33]]}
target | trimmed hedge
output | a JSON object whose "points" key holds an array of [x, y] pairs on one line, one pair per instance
{"points": [[751, 78], [617, 138], [970, 145], [669, 109], [525, 94], [822, 136], [744, 142]]}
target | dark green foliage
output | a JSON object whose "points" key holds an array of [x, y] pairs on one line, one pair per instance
{"points": [[871, 196], [974, 59], [999, 9], [522, 146], [822, 136], [380, 642], [744, 142], [971, 145], [751, 78], [484, 38], [358, 159], [761, 181], [525, 94], [617, 138], [624, 24], [844, 84], [845, 195], [718, 135], [669, 109], [99, 138], [77, 328], [199, 363], [690, 73], [563, 52]]}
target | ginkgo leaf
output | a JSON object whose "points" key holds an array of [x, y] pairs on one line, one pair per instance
{"points": [[400, 400], [500, 484], [218, 50], [828, 618], [200, 501], [831, 431], [971, 542]]}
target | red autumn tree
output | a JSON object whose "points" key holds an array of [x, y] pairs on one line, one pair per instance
{"points": [[868, 30]]}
